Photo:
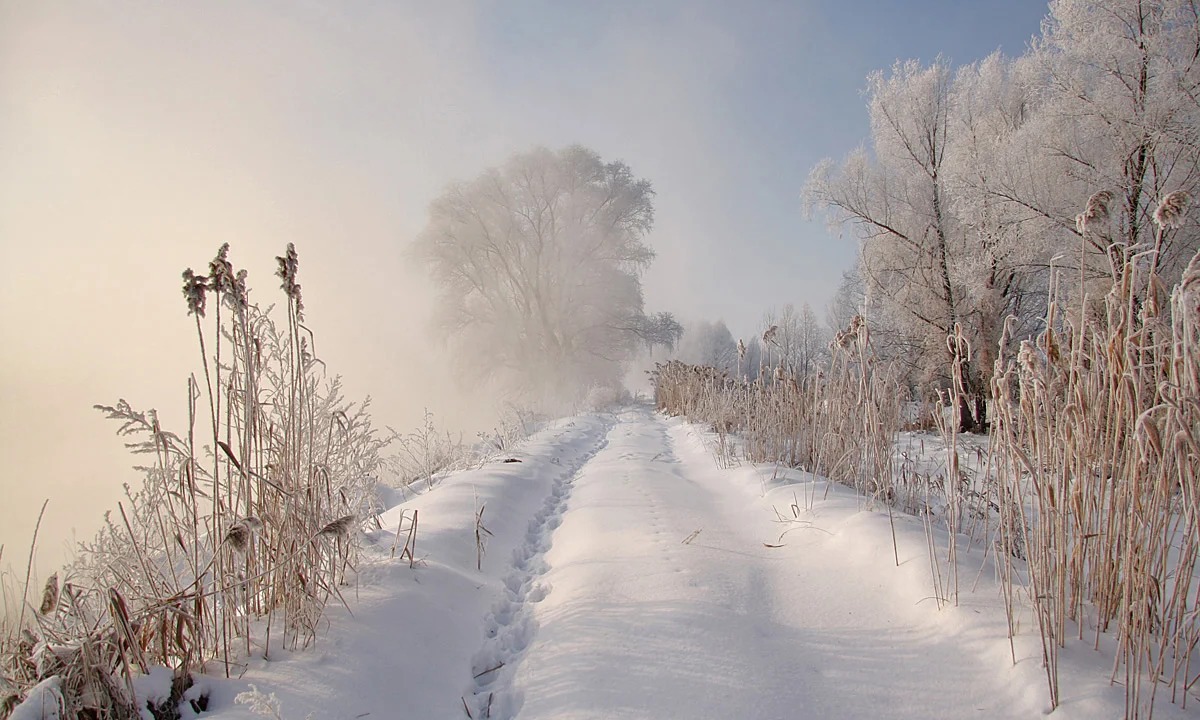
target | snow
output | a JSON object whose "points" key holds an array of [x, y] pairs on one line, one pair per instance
{"points": [[44, 702], [152, 688], [627, 575]]}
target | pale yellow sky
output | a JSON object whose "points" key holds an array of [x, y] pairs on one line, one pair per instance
{"points": [[132, 144], [134, 141]]}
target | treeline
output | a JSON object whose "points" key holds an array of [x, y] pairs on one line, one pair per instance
{"points": [[976, 181]]}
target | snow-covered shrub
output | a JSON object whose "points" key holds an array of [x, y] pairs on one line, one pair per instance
{"points": [[425, 453]]}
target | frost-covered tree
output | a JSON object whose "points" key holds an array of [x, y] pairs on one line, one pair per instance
{"points": [[975, 182], [898, 198], [847, 301], [1117, 112], [660, 330], [799, 342], [1003, 268], [539, 265]]}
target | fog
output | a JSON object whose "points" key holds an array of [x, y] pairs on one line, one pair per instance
{"points": [[134, 141]]}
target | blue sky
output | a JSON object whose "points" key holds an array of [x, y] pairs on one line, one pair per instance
{"points": [[758, 93], [135, 139]]}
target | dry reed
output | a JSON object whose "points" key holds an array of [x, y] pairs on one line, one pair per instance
{"points": [[1090, 494], [244, 528]]}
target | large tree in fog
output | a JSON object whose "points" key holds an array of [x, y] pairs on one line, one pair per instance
{"points": [[539, 264]]}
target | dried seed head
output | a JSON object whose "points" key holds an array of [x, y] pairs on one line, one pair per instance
{"points": [[49, 595], [741, 350], [220, 271], [340, 527], [1097, 214], [240, 532], [289, 265], [194, 287], [1172, 209], [238, 295], [238, 537], [1027, 357]]}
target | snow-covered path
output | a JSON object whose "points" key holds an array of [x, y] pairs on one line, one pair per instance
{"points": [[628, 575], [636, 622]]}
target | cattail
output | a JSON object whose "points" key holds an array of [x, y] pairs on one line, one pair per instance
{"points": [[194, 287], [741, 350], [339, 527], [1097, 213], [1191, 275], [1172, 209], [1050, 340], [1149, 431], [50, 595]]}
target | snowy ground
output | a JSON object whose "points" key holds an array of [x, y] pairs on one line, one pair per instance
{"points": [[629, 577]]}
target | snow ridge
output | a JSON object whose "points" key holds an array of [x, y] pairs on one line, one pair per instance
{"points": [[510, 627]]}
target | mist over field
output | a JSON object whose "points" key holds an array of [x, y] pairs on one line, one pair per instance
{"points": [[816, 355], [135, 143]]}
